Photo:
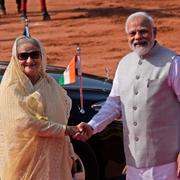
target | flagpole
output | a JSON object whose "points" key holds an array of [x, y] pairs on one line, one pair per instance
{"points": [[26, 28], [82, 111]]}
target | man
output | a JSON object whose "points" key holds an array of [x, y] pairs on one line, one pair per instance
{"points": [[146, 94]]}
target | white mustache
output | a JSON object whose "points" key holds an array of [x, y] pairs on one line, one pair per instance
{"points": [[140, 43]]}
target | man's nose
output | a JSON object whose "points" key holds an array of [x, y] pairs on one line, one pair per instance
{"points": [[138, 35]]}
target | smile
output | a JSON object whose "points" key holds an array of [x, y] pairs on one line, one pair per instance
{"points": [[142, 43]]}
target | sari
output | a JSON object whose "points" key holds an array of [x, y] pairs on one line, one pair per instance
{"points": [[33, 119]]}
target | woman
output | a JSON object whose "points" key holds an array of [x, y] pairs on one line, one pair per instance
{"points": [[34, 111]]}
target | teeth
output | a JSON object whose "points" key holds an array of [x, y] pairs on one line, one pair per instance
{"points": [[140, 44]]}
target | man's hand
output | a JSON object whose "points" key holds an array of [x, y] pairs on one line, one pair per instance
{"points": [[178, 165], [84, 133]]}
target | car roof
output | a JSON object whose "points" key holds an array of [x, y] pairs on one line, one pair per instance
{"points": [[90, 81]]}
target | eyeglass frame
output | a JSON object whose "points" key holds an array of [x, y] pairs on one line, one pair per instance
{"points": [[30, 54]]}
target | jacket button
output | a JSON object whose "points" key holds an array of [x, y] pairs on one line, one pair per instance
{"points": [[136, 139], [136, 92], [134, 108], [140, 62], [137, 76], [135, 123]]}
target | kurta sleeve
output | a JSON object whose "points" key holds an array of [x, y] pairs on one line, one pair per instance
{"points": [[110, 111], [174, 76]]}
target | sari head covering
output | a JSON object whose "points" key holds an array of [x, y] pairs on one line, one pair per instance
{"points": [[33, 119]]}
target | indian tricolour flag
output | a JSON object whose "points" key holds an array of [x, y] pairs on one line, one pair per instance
{"points": [[69, 75]]}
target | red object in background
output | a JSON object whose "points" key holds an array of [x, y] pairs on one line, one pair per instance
{"points": [[42, 4], [43, 8]]}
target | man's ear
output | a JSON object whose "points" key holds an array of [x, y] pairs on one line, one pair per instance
{"points": [[154, 31]]}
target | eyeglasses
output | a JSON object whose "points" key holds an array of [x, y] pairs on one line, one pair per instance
{"points": [[25, 55]]}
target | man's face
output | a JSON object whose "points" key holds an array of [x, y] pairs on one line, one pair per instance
{"points": [[141, 35]]}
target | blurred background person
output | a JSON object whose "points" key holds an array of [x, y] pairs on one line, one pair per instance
{"points": [[18, 5], [45, 14], [2, 7]]}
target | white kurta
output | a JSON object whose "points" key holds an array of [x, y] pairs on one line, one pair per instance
{"points": [[112, 110]]}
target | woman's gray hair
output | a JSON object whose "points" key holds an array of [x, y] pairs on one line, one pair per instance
{"points": [[139, 14], [24, 40]]}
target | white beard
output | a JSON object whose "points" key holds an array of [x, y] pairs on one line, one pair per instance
{"points": [[142, 50]]}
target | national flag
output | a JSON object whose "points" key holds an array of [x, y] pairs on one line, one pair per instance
{"points": [[69, 75]]}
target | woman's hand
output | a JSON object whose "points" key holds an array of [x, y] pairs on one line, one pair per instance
{"points": [[71, 130]]}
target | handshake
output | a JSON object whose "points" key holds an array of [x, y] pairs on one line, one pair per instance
{"points": [[82, 131]]}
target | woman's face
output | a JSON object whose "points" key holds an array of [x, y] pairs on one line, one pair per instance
{"points": [[30, 59]]}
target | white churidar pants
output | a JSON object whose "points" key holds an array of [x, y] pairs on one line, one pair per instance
{"points": [[163, 172]]}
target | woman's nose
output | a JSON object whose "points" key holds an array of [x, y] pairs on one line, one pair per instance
{"points": [[29, 59]]}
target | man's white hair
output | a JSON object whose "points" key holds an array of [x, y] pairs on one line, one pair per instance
{"points": [[139, 14]]}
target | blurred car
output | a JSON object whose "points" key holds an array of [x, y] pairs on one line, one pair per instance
{"points": [[102, 155]]}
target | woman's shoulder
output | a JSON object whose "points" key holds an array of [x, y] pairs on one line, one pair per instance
{"points": [[54, 83]]}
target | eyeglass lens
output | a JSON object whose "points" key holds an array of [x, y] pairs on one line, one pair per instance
{"points": [[26, 55]]}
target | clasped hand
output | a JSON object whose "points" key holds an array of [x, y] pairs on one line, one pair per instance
{"points": [[82, 131]]}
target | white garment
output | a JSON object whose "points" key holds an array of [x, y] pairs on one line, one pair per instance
{"points": [[163, 172], [112, 108]]}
